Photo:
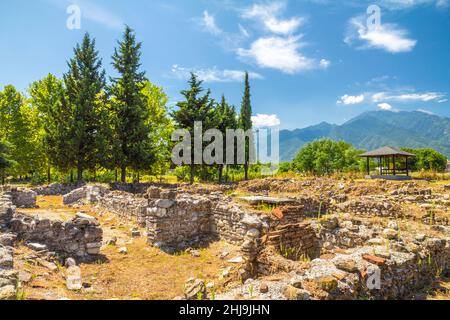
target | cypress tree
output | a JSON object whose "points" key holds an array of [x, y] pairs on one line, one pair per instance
{"points": [[245, 121], [226, 119]]}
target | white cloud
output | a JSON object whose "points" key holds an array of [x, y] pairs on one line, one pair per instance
{"points": [[442, 100], [408, 97], [348, 100], [385, 106], [209, 23], [279, 53], [426, 111], [388, 37], [406, 4], [265, 120], [324, 63], [269, 14], [213, 74], [99, 14]]}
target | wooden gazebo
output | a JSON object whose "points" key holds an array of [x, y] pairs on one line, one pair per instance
{"points": [[389, 164]]}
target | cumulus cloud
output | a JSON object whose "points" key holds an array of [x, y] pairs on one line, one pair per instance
{"points": [[348, 99], [280, 53], [265, 120], [269, 16], [388, 37], [213, 74]]}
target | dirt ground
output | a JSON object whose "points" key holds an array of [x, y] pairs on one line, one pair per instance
{"points": [[143, 273]]}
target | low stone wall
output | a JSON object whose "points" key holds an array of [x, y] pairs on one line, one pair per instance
{"points": [[57, 189], [125, 205], [79, 237], [23, 198], [369, 207]]}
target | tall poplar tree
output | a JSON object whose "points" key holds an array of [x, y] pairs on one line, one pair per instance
{"points": [[84, 81], [131, 131], [245, 121]]}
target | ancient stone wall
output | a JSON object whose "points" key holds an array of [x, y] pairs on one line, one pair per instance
{"points": [[57, 189], [7, 274], [23, 198], [80, 237]]}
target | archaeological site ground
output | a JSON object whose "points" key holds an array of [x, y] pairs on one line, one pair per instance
{"points": [[268, 239]]}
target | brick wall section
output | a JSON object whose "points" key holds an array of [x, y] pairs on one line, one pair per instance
{"points": [[295, 241]]}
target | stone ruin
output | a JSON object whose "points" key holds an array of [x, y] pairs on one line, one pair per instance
{"points": [[329, 246]]}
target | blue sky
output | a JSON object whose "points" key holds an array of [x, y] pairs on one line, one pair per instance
{"points": [[310, 61]]}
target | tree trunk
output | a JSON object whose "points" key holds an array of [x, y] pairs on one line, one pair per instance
{"points": [[79, 172], [220, 173], [192, 173], [138, 177], [246, 171], [123, 174], [71, 176], [116, 175], [49, 177]]}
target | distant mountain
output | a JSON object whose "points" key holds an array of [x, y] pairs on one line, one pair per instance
{"points": [[375, 129]]}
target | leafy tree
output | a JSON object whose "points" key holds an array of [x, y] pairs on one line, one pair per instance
{"points": [[17, 119], [326, 156], [245, 121], [47, 96], [226, 118], [161, 127], [131, 127], [195, 107], [426, 159], [5, 161], [84, 81]]}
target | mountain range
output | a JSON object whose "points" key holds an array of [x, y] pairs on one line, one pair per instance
{"points": [[375, 129]]}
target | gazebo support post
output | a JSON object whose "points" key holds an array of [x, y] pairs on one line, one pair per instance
{"points": [[368, 166], [407, 166], [393, 159]]}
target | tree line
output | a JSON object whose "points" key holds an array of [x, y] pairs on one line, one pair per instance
{"points": [[87, 122], [326, 156]]}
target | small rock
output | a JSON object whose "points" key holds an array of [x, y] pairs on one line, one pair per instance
{"points": [[195, 253], [327, 283], [292, 293], [70, 262], [296, 282], [73, 278], [37, 247], [123, 250], [390, 234], [135, 233], [420, 237], [194, 289], [348, 265], [223, 254], [330, 222], [112, 241], [7, 293], [24, 276], [236, 260], [263, 288], [393, 225]]}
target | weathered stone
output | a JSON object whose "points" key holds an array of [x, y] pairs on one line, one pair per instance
{"points": [[165, 203], [7, 292], [348, 265], [37, 246], [73, 278], [292, 293], [194, 289], [390, 234], [70, 262], [329, 222], [123, 250], [263, 288]]}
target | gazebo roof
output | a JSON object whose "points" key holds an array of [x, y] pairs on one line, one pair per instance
{"points": [[387, 151]]}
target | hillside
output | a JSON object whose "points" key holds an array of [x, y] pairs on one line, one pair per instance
{"points": [[375, 129]]}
